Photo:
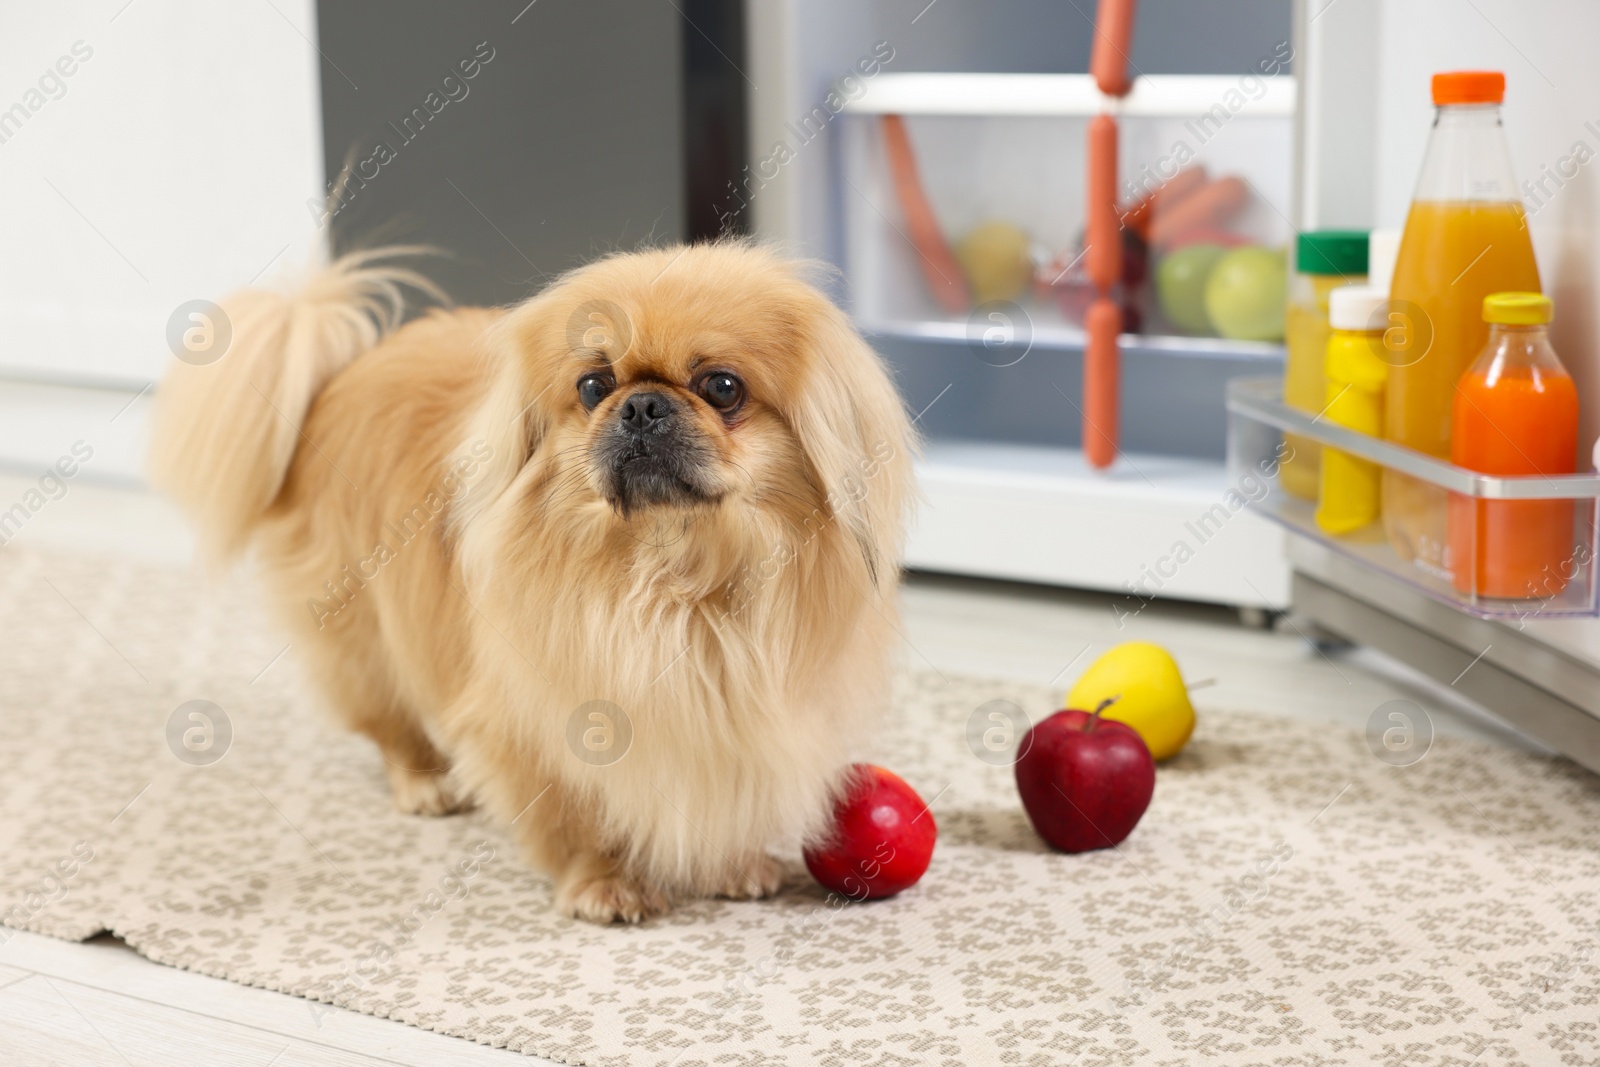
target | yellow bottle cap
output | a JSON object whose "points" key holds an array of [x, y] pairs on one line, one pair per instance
{"points": [[1518, 309]]}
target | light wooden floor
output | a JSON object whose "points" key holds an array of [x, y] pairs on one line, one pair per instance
{"points": [[101, 1003]]}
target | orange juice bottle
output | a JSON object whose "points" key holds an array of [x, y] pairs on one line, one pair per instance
{"points": [[1465, 237], [1516, 412]]}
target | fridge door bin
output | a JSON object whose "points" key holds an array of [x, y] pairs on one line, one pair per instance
{"points": [[1516, 547]]}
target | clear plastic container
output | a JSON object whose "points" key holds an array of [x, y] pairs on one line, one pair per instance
{"points": [[1465, 237], [1000, 162]]}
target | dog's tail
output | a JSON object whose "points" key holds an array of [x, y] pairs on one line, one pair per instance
{"points": [[228, 416]]}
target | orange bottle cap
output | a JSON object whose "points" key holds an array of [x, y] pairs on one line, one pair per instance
{"points": [[1469, 87], [1518, 309]]}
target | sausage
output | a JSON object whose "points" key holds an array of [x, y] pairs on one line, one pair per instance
{"points": [[1100, 373], [944, 276], [1137, 217], [1113, 40], [1207, 207], [1102, 260]]}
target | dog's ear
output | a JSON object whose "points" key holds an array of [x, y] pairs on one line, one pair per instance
{"points": [[849, 419], [504, 429]]}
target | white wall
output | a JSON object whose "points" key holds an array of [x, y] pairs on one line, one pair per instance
{"points": [[173, 164]]}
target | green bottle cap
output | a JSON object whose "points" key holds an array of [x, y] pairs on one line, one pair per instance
{"points": [[1341, 252]]}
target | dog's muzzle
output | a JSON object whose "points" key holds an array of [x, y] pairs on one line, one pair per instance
{"points": [[650, 456]]}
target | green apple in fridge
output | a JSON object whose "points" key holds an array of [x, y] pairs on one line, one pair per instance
{"points": [[1246, 293], [1181, 278]]}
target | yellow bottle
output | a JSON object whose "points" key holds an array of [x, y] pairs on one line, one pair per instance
{"points": [[1358, 371], [1324, 260]]}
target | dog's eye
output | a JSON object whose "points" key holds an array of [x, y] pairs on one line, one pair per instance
{"points": [[593, 388], [722, 390]]}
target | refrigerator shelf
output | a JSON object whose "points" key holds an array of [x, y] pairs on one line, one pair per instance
{"points": [[1067, 95], [1037, 335]]}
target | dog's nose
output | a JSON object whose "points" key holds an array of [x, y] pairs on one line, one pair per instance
{"points": [[643, 412]]}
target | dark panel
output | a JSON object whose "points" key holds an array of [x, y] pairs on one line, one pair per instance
{"points": [[1209, 37], [567, 143], [714, 113], [1170, 404]]}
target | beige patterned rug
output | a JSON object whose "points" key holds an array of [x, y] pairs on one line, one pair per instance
{"points": [[1289, 898]]}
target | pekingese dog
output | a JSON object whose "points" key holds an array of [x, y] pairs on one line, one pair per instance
{"points": [[618, 563]]}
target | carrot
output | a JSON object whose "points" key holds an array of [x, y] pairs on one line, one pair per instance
{"points": [[1210, 206], [1137, 217], [1103, 257], [939, 267]]}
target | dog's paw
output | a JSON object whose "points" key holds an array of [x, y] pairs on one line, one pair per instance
{"points": [[751, 878], [424, 792], [608, 896]]}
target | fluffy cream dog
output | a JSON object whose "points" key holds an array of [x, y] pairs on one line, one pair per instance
{"points": [[619, 563]]}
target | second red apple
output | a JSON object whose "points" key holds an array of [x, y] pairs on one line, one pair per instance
{"points": [[1085, 781]]}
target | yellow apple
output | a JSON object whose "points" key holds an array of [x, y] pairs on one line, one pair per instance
{"points": [[1151, 696], [995, 258]]}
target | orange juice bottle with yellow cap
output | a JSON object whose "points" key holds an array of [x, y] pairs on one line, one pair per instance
{"points": [[1466, 236], [1516, 413]]}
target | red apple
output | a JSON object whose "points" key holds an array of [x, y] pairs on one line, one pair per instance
{"points": [[1085, 781], [882, 837]]}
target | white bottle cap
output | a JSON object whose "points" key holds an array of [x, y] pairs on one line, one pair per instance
{"points": [[1357, 307], [1382, 248]]}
